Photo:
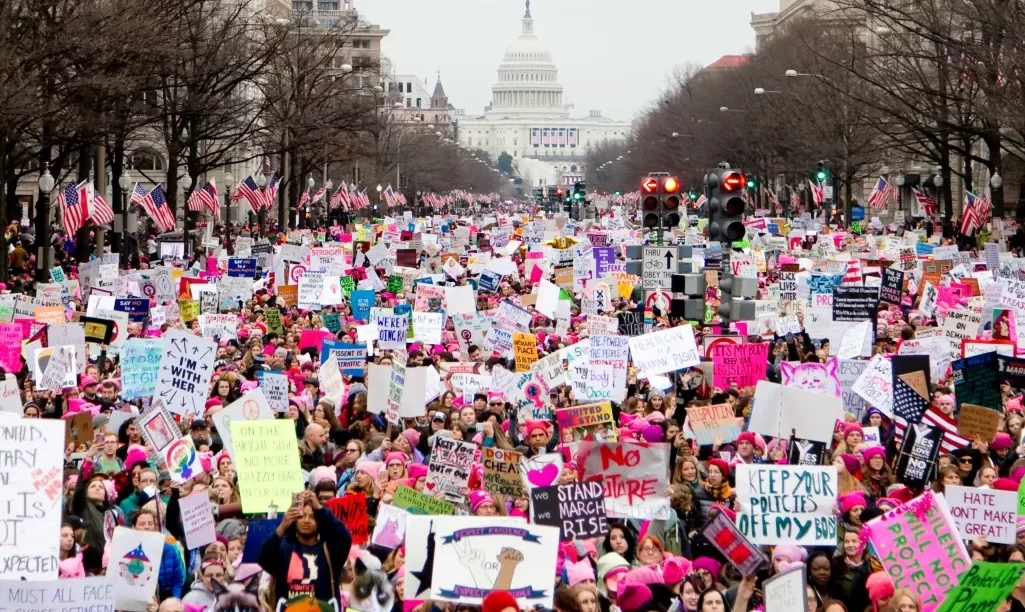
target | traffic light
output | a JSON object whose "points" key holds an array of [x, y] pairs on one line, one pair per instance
{"points": [[671, 202], [650, 203], [725, 205], [735, 298], [752, 182], [693, 195], [821, 174]]}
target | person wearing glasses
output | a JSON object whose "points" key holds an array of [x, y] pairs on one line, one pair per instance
{"points": [[202, 592], [345, 462]]}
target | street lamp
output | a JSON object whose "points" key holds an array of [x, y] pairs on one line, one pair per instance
{"points": [[675, 134], [227, 209], [43, 224], [186, 183], [996, 181], [791, 74], [346, 67]]}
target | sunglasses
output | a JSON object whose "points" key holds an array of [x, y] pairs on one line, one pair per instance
{"points": [[965, 460]]}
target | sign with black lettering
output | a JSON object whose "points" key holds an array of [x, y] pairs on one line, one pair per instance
{"points": [[631, 323], [785, 504], [976, 381], [186, 366], [577, 509]]}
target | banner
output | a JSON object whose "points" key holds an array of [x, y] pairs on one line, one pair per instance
{"points": [[523, 559], [415, 502], [94, 594], [32, 474], [664, 351], [351, 509], [634, 477], [920, 549], [267, 462], [713, 422], [785, 504], [987, 513], [577, 509], [591, 422]]}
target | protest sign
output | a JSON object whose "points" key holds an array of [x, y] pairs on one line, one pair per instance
{"points": [[985, 513], [785, 592], [351, 509], [592, 422], [158, 426], [577, 509], [959, 325], [911, 395], [352, 358], [275, 389], [892, 286], [93, 594], [391, 328], [917, 455], [713, 424], [780, 410], [664, 351], [541, 470], [978, 421], [31, 472], [140, 360], [607, 360], [602, 326], [134, 566], [977, 381], [875, 384], [252, 406], [10, 347], [525, 350], [186, 366], [526, 556], [855, 303], [181, 460], [632, 474], [10, 397], [197, 520], [728, 540], [449, 469], [502, 472], [423, 538], [919, 547], [818, 377], [415, 502], [390, 527], [787, 504], [739, 364], [849, 372], [59, 371], [985, 586], [267, 462]]}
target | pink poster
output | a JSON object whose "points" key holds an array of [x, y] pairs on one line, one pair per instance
{"points": [[10, 346], [211, 265], [740, 364], [920, 548]]}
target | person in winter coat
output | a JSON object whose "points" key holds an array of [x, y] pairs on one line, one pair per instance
{"points": [[202, 592], [309, 535]]}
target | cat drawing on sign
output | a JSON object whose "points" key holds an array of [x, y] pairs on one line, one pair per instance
{"points": [[821, 377], [390, 535], [372, 591]]}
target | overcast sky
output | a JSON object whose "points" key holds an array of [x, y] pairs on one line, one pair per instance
{"points": [[612, 55]]}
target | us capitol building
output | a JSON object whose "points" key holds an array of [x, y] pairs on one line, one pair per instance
{"points": [[529, 120]]}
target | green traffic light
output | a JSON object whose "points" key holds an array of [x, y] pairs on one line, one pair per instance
{"points": [[693, 194], [821, 175]]}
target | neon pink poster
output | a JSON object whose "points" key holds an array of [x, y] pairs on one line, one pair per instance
{"points": [[920, 548]]}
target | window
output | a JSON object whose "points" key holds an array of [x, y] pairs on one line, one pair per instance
{"points": [[409, 87], [516, 142], [469, 141], [144, 159], [409, 102], [327, 5], [418, 102]]}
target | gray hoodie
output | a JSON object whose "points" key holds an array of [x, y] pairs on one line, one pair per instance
{"points": [[199, 595]]}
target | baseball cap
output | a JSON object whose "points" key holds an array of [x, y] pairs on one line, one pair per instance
{"points": [[438, 416]]}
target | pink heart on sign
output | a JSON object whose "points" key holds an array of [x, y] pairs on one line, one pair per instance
{"points": [[545, 477]]}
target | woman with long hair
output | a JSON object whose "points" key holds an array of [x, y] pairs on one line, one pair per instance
{"points": [[620, 540], [223, 491], [687, 471], [716, 489], [877, 475], [948, 475]]}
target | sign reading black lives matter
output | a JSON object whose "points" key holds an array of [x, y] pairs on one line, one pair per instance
{"points": [[855, 303], [577, 509], [892, 286]]}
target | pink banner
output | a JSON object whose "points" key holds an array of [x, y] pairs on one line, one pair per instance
{"points": [[920, 548], [10, 347]]}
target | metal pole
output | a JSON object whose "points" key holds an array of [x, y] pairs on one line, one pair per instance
{"points": [[42, 235], [227, 228], [124, 229]]}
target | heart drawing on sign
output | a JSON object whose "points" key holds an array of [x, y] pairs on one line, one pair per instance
{"points": [[541, 471]]}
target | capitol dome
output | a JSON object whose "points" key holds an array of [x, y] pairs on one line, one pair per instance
{"points": [[528, 80]]}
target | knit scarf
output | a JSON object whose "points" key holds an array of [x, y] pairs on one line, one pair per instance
{"points": [[719, 493]]}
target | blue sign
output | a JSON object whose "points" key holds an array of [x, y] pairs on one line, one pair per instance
{"points": [[489, 281], [244, 267], [137, 308], [352, 358], [858, 213], [362, 300], [923, 248]]}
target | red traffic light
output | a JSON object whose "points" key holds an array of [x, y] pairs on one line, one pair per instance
{"points": [[650, 203], [649, 185], [671, 185], [733, 181], [672, 202]]}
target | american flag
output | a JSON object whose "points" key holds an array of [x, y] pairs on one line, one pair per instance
{"points": [[973, 214], [319, 195], [882, 194], [817, 194], [771, 196], [950, 441], [206, 197], [266, 165], [250, 191], [270, 195], [389, 196], [340, 197], [304, 199], [73, 202], [155, 204], [926, 201], [364, 199], [138, 195], [99, 209]]}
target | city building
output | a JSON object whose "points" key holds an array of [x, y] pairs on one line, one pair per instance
{"points": [[529, 118], [413, 103]]}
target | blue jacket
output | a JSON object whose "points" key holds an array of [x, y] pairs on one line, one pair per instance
{"points": [[172, 572]]}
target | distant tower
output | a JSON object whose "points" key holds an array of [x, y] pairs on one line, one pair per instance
{"points": [[438, 98]]}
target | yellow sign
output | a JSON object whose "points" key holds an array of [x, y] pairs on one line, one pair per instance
{"points": [[525, 350], [188, 310], [289, 294], [51, 315], [267, 463]]}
